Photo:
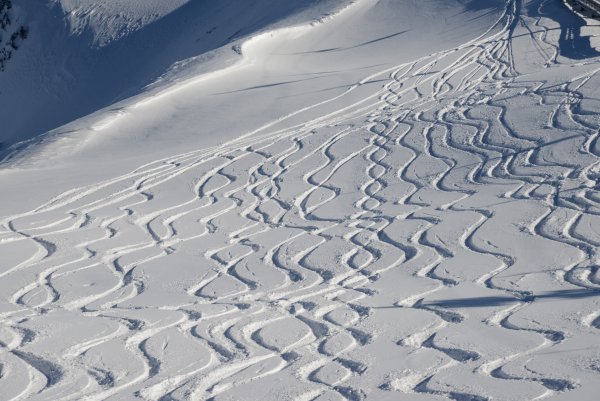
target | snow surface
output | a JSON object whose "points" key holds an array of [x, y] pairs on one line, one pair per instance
{"points": [[303, 200]]}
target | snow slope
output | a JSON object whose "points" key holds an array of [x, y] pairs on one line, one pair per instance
{"points": [[83, 55], [398, 202]]}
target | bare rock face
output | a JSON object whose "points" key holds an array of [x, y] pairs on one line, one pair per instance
{"points": [[11, 34]]}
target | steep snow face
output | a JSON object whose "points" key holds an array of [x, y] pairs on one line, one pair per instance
{"points": [[379, 206], [83, 55]]}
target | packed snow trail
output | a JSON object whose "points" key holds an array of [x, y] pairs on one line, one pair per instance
{"points": [[436, 240]]}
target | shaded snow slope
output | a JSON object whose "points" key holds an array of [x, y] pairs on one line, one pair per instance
{"points": [[376, 207]]}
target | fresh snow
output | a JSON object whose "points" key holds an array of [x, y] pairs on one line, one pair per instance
{"points": [[301, 200]]}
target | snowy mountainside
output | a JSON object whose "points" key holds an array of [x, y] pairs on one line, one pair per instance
{"points": [[399, 202], [85, 55], [307, 65]]}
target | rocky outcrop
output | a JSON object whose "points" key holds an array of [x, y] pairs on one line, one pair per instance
{"points": [[11, 36]]}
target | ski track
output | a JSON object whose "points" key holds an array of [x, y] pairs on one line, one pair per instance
{"points": [[299, 253]]}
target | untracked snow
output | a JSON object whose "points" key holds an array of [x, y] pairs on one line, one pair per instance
{"points": [[324, 200]]}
